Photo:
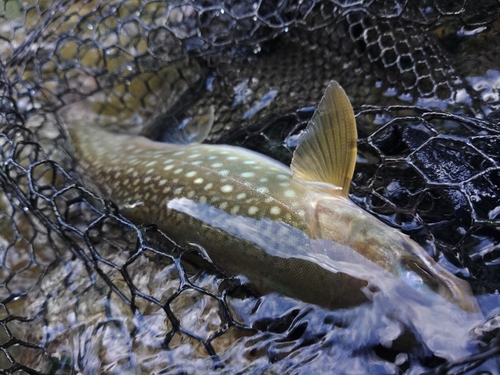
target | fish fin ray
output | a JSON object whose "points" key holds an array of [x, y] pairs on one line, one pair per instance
{"points": [[326, 152], [193, 131]]}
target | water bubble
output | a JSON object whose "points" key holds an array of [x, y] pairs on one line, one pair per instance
{"points": [[90, 26]]}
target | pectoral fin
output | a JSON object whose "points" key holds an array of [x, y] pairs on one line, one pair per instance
{"points": [[192, 130], [326, 153]]}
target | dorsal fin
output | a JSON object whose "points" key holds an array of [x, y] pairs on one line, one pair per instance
{"points": [[326, 153], [191, 130]]}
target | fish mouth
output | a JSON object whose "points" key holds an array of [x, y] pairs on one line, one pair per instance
{"points": [[427, 276]]}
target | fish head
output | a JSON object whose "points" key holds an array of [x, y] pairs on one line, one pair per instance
{"points": [[384, 253], [419, 271]]}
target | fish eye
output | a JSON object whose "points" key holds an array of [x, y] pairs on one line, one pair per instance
{"points": [[416, 275]]}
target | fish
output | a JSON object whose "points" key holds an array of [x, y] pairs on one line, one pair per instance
{"points": [[290, 230]]}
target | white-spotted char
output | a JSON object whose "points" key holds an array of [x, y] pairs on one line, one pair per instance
{"points": [[291, 231]]}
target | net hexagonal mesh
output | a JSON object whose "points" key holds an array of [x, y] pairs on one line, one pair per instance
{"points": [[83, 290]]}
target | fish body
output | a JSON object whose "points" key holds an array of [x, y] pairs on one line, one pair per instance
{"points": [[291, 231]]}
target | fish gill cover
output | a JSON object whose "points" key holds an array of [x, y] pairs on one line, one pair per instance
{"points": [[83, 290]]}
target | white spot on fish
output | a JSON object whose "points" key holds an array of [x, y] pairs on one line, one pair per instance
{"points": [[226, 188], [232, 158], [191, 174], [301, 213], [262, 190], [264, 179], [162, 182], [281, 176], [147, 179], [284, 184], [216, 165], [195, 155], [178, 153], [235, 210], [168, 167], [289, 193], [150, 163], [203, 199], [208, 186], [241, 196], [178, 190], [167, 189], [223, 205], [247, 174], [252, 210], [178, 170], [198, 180], [275, 210], [190, 194], [224, 172]]}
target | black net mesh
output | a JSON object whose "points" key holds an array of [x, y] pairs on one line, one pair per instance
{"points": [[82, 290]]}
